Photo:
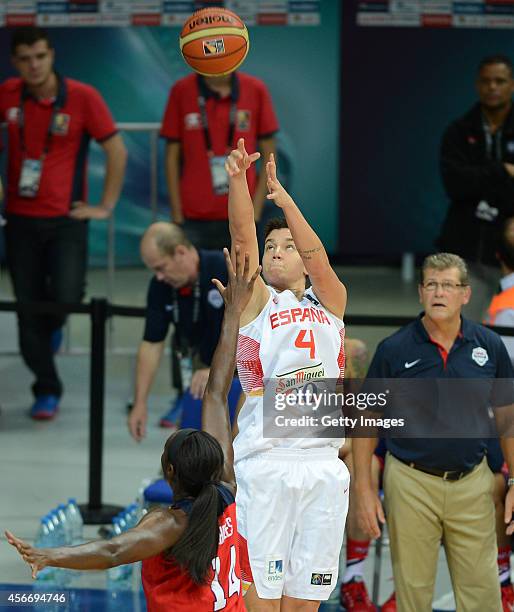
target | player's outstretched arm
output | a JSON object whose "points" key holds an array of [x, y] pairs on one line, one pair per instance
{"points": [[155, 533], [328, 288], [241, 220], [236, 295]]}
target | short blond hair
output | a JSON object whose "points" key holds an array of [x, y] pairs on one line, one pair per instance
{"points": [[444, 261]]}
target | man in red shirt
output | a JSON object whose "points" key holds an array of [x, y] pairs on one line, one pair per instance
{"points": [[50, 120], [204, 118]]}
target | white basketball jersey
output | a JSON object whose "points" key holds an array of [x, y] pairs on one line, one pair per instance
{"points": [[291, 342]]}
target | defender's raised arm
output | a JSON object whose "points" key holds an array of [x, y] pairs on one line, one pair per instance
{"points": [[236, 295]]}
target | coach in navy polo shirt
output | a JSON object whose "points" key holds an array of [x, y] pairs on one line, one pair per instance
{"points": [[182, 293], [440, 489]]}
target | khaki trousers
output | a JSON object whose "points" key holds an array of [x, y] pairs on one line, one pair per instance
{"points": [[423, 510]]}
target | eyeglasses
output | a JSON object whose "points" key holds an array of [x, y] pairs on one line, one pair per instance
{"points": [[446, 286]]}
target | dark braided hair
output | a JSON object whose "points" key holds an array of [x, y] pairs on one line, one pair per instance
{"points": [[198, 468]]}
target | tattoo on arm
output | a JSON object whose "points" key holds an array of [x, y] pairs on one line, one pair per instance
{"points": [[307, 253]]}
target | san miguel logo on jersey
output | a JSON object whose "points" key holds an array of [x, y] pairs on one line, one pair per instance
{"points": [[298, 378], [298, 315]]}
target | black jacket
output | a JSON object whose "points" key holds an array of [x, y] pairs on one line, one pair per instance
{"points": [[471, 178]]}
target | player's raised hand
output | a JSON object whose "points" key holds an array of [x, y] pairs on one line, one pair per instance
{"points": [[35, 557], [277, 193], [239, 289], [240, 160]]}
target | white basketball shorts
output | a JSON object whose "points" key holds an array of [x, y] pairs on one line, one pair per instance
{"points": [[291, 511]]}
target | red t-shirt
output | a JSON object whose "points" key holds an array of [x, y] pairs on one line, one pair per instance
{"points": [[255, 119], [80, 114], [167, 587]]}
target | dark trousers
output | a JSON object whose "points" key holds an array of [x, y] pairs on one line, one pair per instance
{"points": [[47, 260]]}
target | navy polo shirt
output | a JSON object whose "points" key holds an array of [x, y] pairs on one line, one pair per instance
{"points": [[477, 353], [160, 303]]}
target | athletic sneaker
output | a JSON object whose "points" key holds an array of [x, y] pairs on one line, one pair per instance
{"points": [[45, 407], [390, 604], [507, 598], [172, 418], [354, 596]]}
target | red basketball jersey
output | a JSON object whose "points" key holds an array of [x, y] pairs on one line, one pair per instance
{"points": [[167, 587]]}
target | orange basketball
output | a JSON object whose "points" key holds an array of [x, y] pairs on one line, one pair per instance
{"points": [[214, 41]]}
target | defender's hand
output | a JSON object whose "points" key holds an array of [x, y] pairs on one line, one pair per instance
{"points": [[35, 557], [239, 287]]}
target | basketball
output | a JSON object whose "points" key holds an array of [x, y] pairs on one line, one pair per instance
{"points": [[214, 41]]}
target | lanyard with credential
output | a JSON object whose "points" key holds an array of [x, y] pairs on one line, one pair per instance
{"points": [[205, 124], [196, 308], [21, 125]]}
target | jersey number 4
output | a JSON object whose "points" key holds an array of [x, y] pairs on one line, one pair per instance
{"points": [[300, 342], [234, 583]]}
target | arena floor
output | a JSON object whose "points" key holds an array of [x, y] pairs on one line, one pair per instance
{"points": [[45, 463]]}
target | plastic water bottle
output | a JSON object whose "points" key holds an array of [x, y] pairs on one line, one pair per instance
{"points": [[75, 520], [62, 576], [129, 516], [43, 539], [137, 513], [119, 578], [126, 518], [55, 529], [46, 578], [51, 530], [66, 526], [67, 534], [122, 522]]}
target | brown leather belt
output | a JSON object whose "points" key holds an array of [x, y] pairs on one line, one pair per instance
{"points": [[451, 475]]}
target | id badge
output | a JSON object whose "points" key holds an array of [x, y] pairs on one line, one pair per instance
{"points": [[30, 177], [219, 175]]}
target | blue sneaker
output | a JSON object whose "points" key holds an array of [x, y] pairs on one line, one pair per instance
{"points": [[172, 418], [45, 407], [56, 340]]}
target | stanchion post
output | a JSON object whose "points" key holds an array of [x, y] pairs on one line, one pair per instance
{"points": [[95, 512]]}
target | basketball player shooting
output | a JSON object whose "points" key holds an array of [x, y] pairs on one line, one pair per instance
{"points": [[292, 496]]}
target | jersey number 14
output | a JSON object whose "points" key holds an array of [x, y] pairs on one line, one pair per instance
{"points": [[234, 583]]}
